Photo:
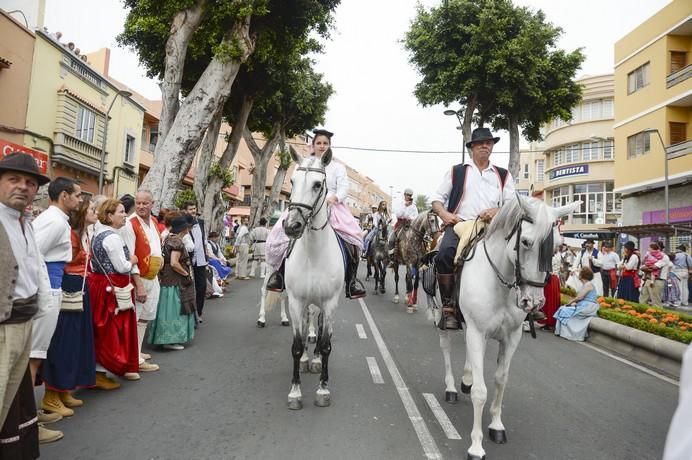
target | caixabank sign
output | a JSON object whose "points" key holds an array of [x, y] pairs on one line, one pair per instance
{"points": [[567, 171]]}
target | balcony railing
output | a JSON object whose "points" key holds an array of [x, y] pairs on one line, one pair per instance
{"points": [[679, 76], [679, 150], [77, 153]]}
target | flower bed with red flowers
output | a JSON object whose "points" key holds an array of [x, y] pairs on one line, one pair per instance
{"points": [[660, 321]]}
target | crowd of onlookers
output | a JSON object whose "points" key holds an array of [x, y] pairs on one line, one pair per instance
{"points": [[94, 278]]}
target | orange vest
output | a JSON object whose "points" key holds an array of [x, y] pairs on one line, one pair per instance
{"points": [[148, 267]]}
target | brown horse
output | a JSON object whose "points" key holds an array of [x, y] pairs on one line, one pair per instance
{"points": [[414, 242]]}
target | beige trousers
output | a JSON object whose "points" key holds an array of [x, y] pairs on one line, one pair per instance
{"points": [[466, 231], [651, 292], [15, 344]]}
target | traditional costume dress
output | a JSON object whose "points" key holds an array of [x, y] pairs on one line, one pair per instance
{"points": [[628, 288], [573, 321], [258, 242], [71, 361], [115, 332], [175, 317]]}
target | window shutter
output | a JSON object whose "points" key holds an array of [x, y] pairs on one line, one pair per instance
{"points": [[678, 60], [678, 133]]}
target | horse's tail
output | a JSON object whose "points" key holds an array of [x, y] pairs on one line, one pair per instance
{"points": [[270, 299]]}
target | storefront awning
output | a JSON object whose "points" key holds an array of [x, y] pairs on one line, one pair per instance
{"points": [[640, 231]]}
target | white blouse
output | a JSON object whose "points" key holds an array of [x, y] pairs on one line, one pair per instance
{"points": [[113, 244]]}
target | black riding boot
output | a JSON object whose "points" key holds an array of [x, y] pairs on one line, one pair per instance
{"points": [[276, 280], [451, 316], [353, 286]]}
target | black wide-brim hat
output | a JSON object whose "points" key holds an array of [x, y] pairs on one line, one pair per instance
{"points": [[25, 164], [178, 224], [481, 134]]}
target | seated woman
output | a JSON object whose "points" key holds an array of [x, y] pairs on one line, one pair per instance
{"points": [[573, 319]]}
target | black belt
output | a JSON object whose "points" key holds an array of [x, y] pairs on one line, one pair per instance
{"points": [[260, 241], [23, 310]]}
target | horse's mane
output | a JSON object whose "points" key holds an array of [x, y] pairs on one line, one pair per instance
{"points": [[512, 212], [420, 220]]}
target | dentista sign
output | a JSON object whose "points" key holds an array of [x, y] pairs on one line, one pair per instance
{"points": [[568, 171]]}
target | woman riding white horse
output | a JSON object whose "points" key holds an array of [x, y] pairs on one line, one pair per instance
{"points": [[340, 219]]}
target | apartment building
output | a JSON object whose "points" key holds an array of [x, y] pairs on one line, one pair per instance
{"points": [[653, 111]]}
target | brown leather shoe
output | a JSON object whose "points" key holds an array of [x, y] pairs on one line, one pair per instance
{"points": [[105, 383], [52, 403], [70, 401], [48, 417]]}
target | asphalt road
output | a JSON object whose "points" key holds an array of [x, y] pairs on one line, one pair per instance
{"points": [[224, 397]]}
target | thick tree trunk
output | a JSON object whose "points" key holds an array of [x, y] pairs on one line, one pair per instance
{"points": [[196, 112], [214, 185], [259, 177], [278, 182], [184, 24], [205, 160], [514, 157]]}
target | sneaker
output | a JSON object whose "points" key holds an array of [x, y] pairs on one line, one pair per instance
{"points": [[131, 376], [145, 356], [45, 435], [173, 346], [148, 367], [48, 417]]}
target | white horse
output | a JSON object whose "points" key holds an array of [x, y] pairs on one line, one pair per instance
{"points": [[268, 299], [314, 272], [500, 284]]}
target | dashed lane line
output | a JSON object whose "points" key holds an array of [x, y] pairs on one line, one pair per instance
{"points": [[441, 417], [374, 370], [426, 440], [361, 331]]}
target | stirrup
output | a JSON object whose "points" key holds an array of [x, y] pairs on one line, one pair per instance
{"points": [[357, 296], [280, 281]]}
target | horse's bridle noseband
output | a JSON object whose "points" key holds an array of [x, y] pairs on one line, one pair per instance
{"points": [[519, 280], [315, 208]]}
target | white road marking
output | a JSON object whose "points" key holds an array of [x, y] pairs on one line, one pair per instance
{"points": [[631, 364], [441, 416], [361, 331], [424, 437], [374, 370]]}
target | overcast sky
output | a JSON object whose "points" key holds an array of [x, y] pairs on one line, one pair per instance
{"points": [[374, 106]]}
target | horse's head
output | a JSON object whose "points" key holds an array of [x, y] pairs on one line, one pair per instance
{"points": [[308, 193], [530, 238], [382, 230]]}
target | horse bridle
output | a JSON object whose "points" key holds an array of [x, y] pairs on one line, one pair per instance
{"points": [[314, 209], [519, 280]]}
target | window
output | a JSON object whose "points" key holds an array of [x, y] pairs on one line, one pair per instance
{"points": [[678, 61], [600, 205], [129, 150], [573, 153], [153, 137], [526, 170], [607, 108], [86, 121], [638, 78], [540, 170], [639, 144], [592, 151], [678, 132], [560, 196], [608, 150]]}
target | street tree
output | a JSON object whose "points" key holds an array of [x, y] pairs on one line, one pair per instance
{"points": [[196, 48], [496, 60], [422, 202]]}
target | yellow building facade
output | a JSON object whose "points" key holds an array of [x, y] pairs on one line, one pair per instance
{"points": [[653, 115], [576, 161], [79, 109]]}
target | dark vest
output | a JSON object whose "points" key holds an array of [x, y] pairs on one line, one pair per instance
{"points": [[103, 264], [593, 268], [459, 183]]}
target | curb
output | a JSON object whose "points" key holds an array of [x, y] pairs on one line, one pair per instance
{"points": [[656, 352]]}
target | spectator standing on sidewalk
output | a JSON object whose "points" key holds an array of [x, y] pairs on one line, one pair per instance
{"points": [[258, 239], [24, 295], [682, 267], [141, 235], [242, 242], [608, 261], [199, 255]]}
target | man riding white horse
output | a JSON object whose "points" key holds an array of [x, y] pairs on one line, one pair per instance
{"points": [[340, 218], [405, 213], [469, 196]]}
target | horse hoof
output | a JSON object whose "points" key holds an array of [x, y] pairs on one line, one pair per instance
{"points": [[312, 339], [284, 323], [260, 324], [382, 291], [304, 366], [466, 389], [497, 436], [323, 400], [295, 404], [474, 457], [452, 397], [315, 367]]}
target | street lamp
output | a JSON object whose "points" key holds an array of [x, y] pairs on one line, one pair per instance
{"points": [[457, 113], [665, 179], [123, 93]]}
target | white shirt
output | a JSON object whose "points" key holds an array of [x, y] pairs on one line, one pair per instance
{"points": [[632, 263], [665, 265], [188, 242], [199, 258], [152, 235], [113, 244], [483, 190], [607, 261], [25, 252], [376, 217], [337, 181], [403, 211], [242, 236], [583, 260], [52, 230]]}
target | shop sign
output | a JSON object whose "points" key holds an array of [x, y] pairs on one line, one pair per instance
{"points": [[41, 158], [576, 170], [590, 235]]}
